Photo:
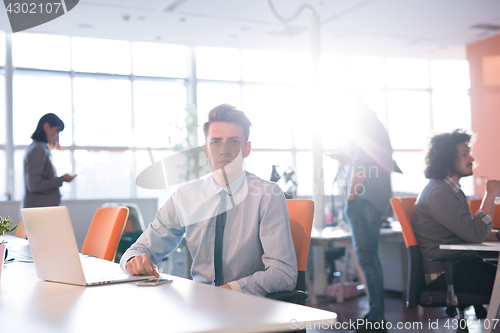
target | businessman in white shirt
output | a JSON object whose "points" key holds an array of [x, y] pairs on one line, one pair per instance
{"points": [[236, 224]]}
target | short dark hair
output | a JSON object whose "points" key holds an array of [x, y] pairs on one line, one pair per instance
{"points": [[226, 113], [53, 121], [442, 153]]}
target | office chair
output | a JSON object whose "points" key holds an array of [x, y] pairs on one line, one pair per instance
{"points": [[301, 214], [105, 232], [20, 231], [134, 227], [417, 294]]}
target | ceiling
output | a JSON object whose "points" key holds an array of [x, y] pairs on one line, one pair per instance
{"points": [[406, 28]]}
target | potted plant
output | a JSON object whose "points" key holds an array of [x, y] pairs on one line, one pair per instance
{"points": [[4, 227]]}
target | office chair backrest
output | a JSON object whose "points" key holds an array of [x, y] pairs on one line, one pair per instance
{"points": [[135, 222], [474, 205], [20, 231], [105, 232], [404, 207], [134, 227], [301, 213]]}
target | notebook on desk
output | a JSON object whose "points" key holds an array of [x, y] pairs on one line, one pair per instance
{"points": [[55, 252]]}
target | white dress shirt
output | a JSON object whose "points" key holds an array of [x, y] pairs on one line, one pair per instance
{"points": [[258, 252]]}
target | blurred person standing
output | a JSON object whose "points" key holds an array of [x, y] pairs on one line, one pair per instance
{"points": [[368, 193], [41, 183]]}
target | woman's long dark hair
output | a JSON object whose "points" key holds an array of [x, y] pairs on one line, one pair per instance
{"points": [[53, 121], [442, 153]]}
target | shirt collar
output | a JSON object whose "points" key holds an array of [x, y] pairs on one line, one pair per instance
{"points": [[233, 187], [456, 187]]}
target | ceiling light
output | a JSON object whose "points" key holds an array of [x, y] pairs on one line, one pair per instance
{"points": [[486, 26], [286, 31], [174, 6]]}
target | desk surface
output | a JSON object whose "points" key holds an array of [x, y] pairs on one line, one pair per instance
{"points": [[30, 305], [486, 246], [336, 233]]}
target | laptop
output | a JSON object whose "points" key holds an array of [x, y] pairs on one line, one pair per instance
{"points": [[55, 252]]}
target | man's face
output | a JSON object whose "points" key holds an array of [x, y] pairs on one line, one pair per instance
{"points": [[225, 142], [463, 161]]}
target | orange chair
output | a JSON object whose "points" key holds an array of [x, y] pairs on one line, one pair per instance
{"points": [[474, 205], [301, 214], [404, 207], [134, 227], [417, 293], [20, 231], [105, 232]]}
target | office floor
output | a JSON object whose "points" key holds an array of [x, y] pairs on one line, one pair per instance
{"points": [[432, 321]]}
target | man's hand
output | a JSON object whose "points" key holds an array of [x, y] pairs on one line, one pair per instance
{"points": [[491, 236], [492, 187], [225, 286], [492, 190], [142, 265]]}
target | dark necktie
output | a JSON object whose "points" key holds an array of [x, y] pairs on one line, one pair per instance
{"points": [[219, 235]]}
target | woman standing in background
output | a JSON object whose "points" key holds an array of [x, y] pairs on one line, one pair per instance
{"points": [[41, 183]]}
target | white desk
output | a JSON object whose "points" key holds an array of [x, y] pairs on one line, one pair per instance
{"points": [[495, 296], [33, 306]]}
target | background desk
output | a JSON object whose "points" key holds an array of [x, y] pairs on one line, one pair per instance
{"points": [[33, 306], [392, 253], [495, 296]]}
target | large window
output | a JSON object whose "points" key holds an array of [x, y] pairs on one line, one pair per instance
{"points": [[150, 59], [101, 56], [124, 102], [103, 111], [35, 94], [163, 102], [218, 63], [111, 116], [2, 109], [103, 174], [271, 113], [41, 51], [3, 172], [2, 48], [275, 67]]}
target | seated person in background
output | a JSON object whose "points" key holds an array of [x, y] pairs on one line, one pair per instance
{"points": [[442, 216], [249, 214]]}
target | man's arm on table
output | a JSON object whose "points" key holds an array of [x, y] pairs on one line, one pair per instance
{"points": [[280, 273], [492, 189], [159, 239], [488, 206]]}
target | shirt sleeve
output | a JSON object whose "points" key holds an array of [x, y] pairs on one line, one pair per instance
{"points": [[159, 239], [280, 262], [235, 286], [446, 209], [485, 218], [36, 160]]}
